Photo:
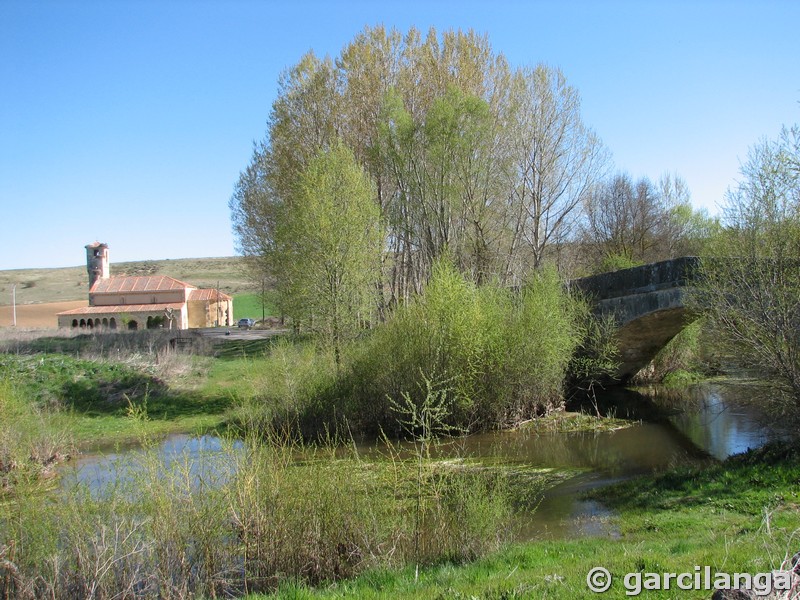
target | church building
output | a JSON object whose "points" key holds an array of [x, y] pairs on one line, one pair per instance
{"points": [[144, 302]]}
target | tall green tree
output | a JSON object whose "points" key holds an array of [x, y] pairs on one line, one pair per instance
{"points": [[467, 155], [327, 245], [750, 286]]}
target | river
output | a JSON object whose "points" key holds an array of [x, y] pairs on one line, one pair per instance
{"points": [[692, 426]]}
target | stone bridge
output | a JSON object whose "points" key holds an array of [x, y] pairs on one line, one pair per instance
{"points": [[647, 303]]}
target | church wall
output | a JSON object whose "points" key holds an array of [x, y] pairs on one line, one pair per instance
{"points": [[204, 313], [165, 297]]}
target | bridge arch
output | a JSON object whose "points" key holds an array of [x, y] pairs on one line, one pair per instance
{"points": [[648, 305]]}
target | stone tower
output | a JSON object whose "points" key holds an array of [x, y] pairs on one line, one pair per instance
{"points": [[97, 262]]}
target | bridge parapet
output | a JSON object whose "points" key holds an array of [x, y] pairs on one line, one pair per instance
{"points": [[662, 275]]}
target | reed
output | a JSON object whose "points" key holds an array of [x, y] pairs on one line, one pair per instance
{"points": [[246, 519]]}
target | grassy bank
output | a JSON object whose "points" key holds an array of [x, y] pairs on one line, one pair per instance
{"points": [[742, 515], [91, 385], [251, 518]]}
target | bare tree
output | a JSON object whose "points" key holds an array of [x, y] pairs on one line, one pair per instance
{"points": [[558, 159], [751, 278]]}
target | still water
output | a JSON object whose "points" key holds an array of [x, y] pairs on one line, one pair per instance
{"points": [[693, 426]]}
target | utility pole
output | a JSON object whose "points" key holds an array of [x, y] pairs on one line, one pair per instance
{"points": [[14, 305], [219, 310]]}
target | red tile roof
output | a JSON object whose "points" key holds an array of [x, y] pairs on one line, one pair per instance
{"points": [[121, 308], [208, 294], [155, 283]]}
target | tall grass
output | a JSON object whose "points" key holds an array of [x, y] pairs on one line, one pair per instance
{"points": [[296, 379], [30, 442], [243, 520]]}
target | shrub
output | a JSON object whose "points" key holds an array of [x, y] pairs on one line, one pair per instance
{"points": [[30, 445], [298, 377], [501, 355]]}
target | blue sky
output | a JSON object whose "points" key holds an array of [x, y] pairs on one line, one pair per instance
{"points": [[128, 121]]}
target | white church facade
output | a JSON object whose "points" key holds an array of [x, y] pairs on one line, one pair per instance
{"points": [[144, 302]]}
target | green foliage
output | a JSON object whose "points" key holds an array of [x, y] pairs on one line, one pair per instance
{"points": [[492, 356], [326, 250], [682, 361], [596, 358], [681, 378], [447, 163], [502, 356], [616, 262], [292, 385], [693, 228], [31, 442]]}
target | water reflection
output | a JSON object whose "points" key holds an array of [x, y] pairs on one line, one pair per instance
{"points": [[724, 420], [199, 457], [676, 428]]}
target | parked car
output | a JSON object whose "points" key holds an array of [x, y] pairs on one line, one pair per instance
{"points": [[246, 323]]}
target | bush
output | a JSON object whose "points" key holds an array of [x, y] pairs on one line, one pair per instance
{"points": [[497, 355], [500, 355], [299, 376]]}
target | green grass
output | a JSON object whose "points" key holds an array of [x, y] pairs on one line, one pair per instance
{"points": [[682, 378], [739, 516], [249, 306], [96, 398]]}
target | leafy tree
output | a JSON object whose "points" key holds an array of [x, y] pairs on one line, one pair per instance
{"points": [[466, 155], [327, 247], [751, 276]]}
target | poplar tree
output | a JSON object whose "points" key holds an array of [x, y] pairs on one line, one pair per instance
{"points": [[327, 243]]}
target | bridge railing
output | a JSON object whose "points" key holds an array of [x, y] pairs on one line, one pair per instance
{"points": [[666, 274]]}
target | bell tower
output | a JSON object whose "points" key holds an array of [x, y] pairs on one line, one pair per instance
{"points": [[97, 262]]}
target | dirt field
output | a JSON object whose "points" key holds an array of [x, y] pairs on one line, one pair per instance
{"points": [[34, 286], [37, 316]]}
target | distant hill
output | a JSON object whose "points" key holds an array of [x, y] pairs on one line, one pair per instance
{"points": [[36, 286]]}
